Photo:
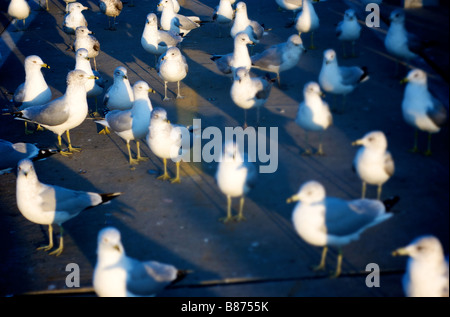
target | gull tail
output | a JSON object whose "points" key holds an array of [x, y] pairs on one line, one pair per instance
{"points": [[19, 116], [181, 274], [365, 76], [390, 203], [215, 57], [44, 153], [108, 197]]}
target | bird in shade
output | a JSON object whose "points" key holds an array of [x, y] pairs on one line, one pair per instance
{"points": [[223, 14], [118, 275], [313, 115], [112, 9], [236, 175], [172, 67], [177, 23], [132, 124], [421, 109], [373, 162], [290, 5], [119, 96], [348, 30], [51, 204], [307, 21], [64, 113], [331, 221], [427, 268], [242, 23], [19, 10]]}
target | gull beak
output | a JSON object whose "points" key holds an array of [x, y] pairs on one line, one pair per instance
{"points": [[293, 199], [327, 62], [87, 58], [400, 252], [151, 90], [404, 81], [117, 247], [322, 94], [92, 77], [125, 77], [357, 142], [45, 65]]}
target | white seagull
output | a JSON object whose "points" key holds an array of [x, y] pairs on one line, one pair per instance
{"points": [[111, 8], [132, 124], [19, 10], [373, 162], [171, 21], [51, 204], [349, 30], [172, 67], [117, 275], [176, 6], [74, 18], [119, 96], [427, 268], [236, 175], [329, 221], [307, 20], [85, 39], [242, 23], [313, 114], [421, 109]]}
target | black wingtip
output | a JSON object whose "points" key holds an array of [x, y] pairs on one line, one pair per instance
{"points": [[110, 196], [181, 274], [44, 153], [391, 202]]}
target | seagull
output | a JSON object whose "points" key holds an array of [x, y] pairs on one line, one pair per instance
{"points": [[280, 57], [349, 30], [313, 114], [171, 21], [119, 96], [67, 4], [111, 8], [156, 41], [340, 80], [247, 92], [242, 23], [307, 20], [420, 108], [166, 141], [64, 113], [330, 221], [290, 5], [117, 275], [19, 10], [12, 153], [74, 18], [172, 67], [93, 88], [132, 124], [427, 269], [51, 204], [176, 6], [84, 39], [227, 64], [235, 176], [373, 163], [223, 13]]}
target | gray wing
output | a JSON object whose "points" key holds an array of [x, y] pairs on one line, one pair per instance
{"points": [[53, 113], [258, 30], [389, 166], [351, 75], [168, 38], [148, 278], [106, 96], [183, 60], [184, 23], [223, 63], [11, 154], [60, 199], [296, 2], [19, 95], [264, 88], [438, 113], [344, 218], [270, 57], [119, 120]]}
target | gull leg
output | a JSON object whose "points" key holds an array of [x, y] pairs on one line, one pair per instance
{"points": [[132, 160], [27, 131], [245, 119], [312, 47], [308, 150], [320, 150], [363, 195], [178, 92], [139, 157], [338, 266], [165, 92], [164, 176], [71, 149], [380, 187], [321, 265], [59, 250], [64, 152], [240, 216], [50, 238], [228, 218], [278, 79], [177, 179], [428, 151], [415, 148], [105, 131], [95, 64]]}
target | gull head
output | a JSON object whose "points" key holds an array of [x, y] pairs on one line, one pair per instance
{"points": [[78, 77], [309, 193], [416, 76], [109, 241], [329, 56], [312, 89], [141, 88], [82, 31], [76, 7], [241, 74], [82, 53], [397, 16], [151, 19], [296, 40], [34, 61], [350, 15], [171, 54], [241, 6], [165, 3], [424, 247], [25, 168], [243, 38], [120, 73], [373, 140], [159, 114]]}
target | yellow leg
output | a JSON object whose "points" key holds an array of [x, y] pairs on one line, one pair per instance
{"points": [[139, 157], [428, 151], [104, 131], [363, 195], [228, 217], [308, 151], [321, 265], [380, 187], [178, 92], [27, 131], [60, 249], [320, 150], [240, 216], [131, 159], [415, 148], [71, 149], [164, 176], [177, 179], [338, 266], [312, 47], [50, 238], [165, 92], [39, 128]]}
